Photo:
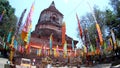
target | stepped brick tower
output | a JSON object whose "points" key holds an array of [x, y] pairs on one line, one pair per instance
{"points": [[50, 22]]}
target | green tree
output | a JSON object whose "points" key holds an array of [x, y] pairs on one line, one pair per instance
{"points": [[104, 19], [109, 17], [9, 19], [90, 22], [115, 24], [116, 6]]}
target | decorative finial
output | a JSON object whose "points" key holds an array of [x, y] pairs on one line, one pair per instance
{"points": [[52, 4]]}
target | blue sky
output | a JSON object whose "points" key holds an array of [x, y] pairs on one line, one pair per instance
{"points": [[68, 8]]}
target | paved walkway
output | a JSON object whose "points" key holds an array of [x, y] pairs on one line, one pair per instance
{"points": [[98, 66], [3, 61]]}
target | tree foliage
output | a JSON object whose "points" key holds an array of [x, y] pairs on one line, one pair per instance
{"points": [[9, 19], [90, 22], [116, 6], [106, 19], [115, 24]]}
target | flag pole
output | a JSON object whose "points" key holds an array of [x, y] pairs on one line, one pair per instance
{"points": [[93, 14], [97, 25]]}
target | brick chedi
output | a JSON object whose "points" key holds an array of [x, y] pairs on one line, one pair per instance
{"points": [[50, 22]]}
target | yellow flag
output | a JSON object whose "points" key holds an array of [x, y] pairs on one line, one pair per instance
{"points": [[84, 49], [12, 42], [55, 53], [65, 50], [99, 34], [12, 51]]}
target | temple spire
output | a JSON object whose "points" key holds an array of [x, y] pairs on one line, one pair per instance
{"points": [[52, 4]]}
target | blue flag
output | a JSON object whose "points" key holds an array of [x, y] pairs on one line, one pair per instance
{"points": [[9, 36], [72, 44], [15, 44]]}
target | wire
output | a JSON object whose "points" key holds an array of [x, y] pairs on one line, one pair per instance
{"points": [[69, 15]]}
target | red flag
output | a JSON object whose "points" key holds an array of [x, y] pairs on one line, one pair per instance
{"points": [[80, 28], [63, 33]]}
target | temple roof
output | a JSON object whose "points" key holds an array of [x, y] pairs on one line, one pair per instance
{"points": [[52, 8], [50, 23]]}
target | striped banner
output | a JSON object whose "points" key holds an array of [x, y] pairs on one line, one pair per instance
{"points": [[113, 38], [99, 34]]}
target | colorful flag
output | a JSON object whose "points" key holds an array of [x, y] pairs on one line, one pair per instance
{"points": [[12, 42], [75, 53], [9, 36], [79, 26], [97, 42], [84, 49], [97, 46], [11, 56], [86, 39], [27, 46], [63, 32], [28, 49], [91, 48], [111, 43], [27, 25], [97, 50], [113, 38], [40, 51], [72, 45], [50, 41], [99, 34], [20, 22], [2, 15], [44, 51], [11, 51], [105, 45], [48, 52], [15, 44], [57, 51], [4, 44], [37, 51], [19, 48], [22, 49], [65, 50], [29, 35]]}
